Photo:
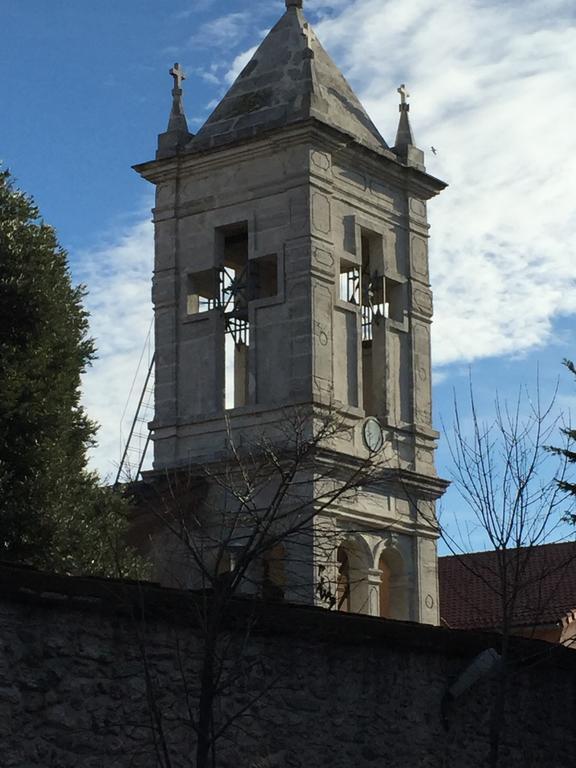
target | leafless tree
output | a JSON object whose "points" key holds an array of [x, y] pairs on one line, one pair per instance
{"points": [[248, 527], [511, 489]]}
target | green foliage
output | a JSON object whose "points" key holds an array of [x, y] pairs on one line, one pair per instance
{"points": [[52, 512], [93, 538]]}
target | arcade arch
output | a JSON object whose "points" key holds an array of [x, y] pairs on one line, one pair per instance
{"points": [[393, 602], [353, 563]]}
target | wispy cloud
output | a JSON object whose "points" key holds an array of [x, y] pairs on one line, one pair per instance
{"points": [[118, 276], [194, 7], [493, 91], [222, 74], [223, 30], [492, 88], [210, 77], [238, 65]]}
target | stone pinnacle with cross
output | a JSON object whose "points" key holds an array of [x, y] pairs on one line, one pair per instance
{"points": [[404, 95], [405, 146], [177, 117], [178, 74], [294, 3]]}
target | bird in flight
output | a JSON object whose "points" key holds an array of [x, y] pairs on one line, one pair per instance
{"points": [[434, 150]]}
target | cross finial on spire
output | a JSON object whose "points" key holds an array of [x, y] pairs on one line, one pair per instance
{"points": [[404, 95], [178, 74], [294, 3], [177, 125]]}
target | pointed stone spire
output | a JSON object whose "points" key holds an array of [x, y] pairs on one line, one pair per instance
{"points": [[177, 134], [290, 79], [405, 146]]}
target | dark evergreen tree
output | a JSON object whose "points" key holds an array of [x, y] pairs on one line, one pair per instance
{"points": [[52, 512]]}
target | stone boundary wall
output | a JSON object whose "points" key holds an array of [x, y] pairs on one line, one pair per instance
{"points": [[84, 663]]}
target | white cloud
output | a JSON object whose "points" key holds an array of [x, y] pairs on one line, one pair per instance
{"points": [[117, 276], [195, 7], [220, 31], [209, 77], [492, 88], [493, 91], [238, 65]]}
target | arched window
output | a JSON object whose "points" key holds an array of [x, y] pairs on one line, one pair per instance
{"points": [[274, 573]]}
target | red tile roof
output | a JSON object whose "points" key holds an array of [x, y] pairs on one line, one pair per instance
{"points": [[471, 589]]}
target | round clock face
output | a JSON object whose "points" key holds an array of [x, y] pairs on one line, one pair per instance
{"points": [[373, 436]]}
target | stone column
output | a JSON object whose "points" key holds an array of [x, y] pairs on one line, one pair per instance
{"points": [[374, 579]]}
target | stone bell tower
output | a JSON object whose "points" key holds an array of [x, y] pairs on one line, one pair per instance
{"points": [[291, 269]]}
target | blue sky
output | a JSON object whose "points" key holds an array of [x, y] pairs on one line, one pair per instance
{"points": [[85, 91]]}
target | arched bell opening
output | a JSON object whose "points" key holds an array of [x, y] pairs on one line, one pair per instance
{"points": [[393, 586]]}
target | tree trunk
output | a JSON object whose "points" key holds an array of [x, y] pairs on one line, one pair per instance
{"points": [[497, 721], [206, 705]]}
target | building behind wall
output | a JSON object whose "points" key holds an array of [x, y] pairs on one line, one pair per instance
{"points": [[538, 584], [291, 274]]}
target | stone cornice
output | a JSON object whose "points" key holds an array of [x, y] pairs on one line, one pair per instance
{"points": [[379, 162]]}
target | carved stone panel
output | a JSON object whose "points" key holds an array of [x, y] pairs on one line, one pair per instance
{"points": [[321, 160], [321, 214], [428, 581], [422, 301], [322, 338], [418, 207], [419, 249], [323, 260], [422, 383]]}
